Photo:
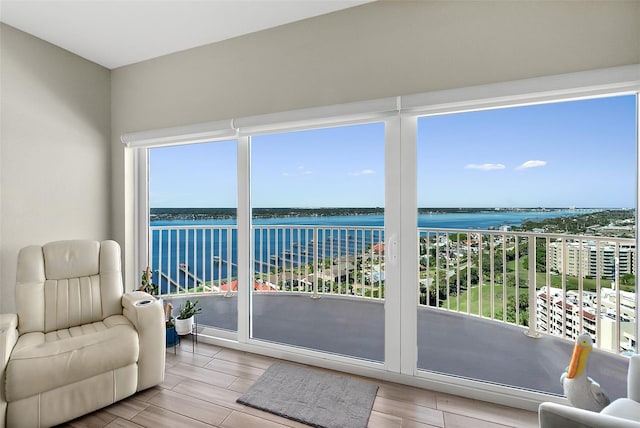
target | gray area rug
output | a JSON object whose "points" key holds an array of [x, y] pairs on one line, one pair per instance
{"points": [[315, 398]]}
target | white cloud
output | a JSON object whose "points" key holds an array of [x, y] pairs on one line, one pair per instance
{"points": [[362, 172], [299, 171], [532, 164], [485, 166]]}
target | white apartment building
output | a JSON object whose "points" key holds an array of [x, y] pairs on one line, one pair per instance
{"points": [[571, 316], [583, 258]]}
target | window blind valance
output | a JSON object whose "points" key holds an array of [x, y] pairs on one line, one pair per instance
{"points": [[562, 87], [272, 122], [196, 133]]}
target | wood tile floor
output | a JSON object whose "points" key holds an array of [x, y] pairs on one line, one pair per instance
{"points": [[200, 390]]}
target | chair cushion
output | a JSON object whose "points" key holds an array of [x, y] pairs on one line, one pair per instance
{"points": [[42, 362], [624, 408], [65, 284], [71, 259]]}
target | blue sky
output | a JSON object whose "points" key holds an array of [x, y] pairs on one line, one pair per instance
{"points": [[333, 167], [579, 153]]}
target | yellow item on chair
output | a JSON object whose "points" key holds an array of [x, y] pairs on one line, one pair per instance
{"points": [[582, 391], [621, 413]]}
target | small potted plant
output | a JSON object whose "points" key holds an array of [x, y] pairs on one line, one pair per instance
{"points": [[146, 283], [171, 335], [184, 321]]}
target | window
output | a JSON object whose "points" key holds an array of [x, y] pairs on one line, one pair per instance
{"points": [[470, 280], [505, 191], [318, 216], [192, 222]]}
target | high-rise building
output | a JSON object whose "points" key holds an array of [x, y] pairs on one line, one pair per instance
{"points": [[576, 313], [582, 259]]}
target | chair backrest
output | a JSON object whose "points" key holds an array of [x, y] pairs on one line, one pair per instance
{"points": [[633, 378], [64, 284]]}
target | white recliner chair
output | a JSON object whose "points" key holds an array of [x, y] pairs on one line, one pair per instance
{"points": [[77, 343], [621, 413]]}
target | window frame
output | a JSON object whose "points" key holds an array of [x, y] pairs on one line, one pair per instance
{"points": [[400, 115]]}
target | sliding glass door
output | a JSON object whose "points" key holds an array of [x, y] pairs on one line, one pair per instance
{"points": [[318, 239]]}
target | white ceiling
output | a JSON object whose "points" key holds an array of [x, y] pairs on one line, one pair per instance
{"points": [[116, 33]]}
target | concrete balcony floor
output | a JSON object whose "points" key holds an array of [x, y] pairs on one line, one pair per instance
{"points": [[448, 343]]}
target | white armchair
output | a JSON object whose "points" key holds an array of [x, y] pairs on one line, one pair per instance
{"points": [[77, 343], [622, 413]]}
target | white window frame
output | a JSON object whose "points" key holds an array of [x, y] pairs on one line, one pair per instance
{"points": [[391, 122], [400, 115]]}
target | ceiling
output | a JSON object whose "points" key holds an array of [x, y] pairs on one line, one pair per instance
{"points": [[117, 33]]}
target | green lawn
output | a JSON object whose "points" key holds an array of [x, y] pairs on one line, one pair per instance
{"points": [[486, 299], [556, 280]]}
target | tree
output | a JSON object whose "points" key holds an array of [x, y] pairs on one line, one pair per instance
{"points": [[541, 257], [486, 263], [628, 279], [523, 309], [474, 278]]}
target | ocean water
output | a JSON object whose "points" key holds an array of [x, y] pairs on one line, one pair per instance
{"points": [[474, 220], [210, 254], [486, 219]]}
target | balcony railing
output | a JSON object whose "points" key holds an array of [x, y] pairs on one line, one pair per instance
{"points": [[320, 260], [577, 283]]}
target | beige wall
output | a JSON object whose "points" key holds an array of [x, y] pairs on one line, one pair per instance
{"points": [[375, 50], [54, 149]]}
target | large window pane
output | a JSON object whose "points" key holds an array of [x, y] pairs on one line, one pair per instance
{"points": [[318, 222], [193, 245], [526, 225]]}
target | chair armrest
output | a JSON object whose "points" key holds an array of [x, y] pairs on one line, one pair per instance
{"points": [[8, 339], [134, 300], [633, 378], [146, 314], [553, 415]]}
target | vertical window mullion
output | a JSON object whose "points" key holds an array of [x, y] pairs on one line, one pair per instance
{"points": [[244, 238]]}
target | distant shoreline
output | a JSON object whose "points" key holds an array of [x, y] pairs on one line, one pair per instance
{"points": [[225, 213], [619, 222]]}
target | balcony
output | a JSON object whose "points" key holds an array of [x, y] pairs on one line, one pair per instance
{"points": [[322, 288]]}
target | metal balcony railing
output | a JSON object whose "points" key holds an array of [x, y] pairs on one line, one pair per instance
{"points": [[577, 283], [320, 260]]}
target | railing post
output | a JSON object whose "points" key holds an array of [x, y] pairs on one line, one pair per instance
{"points": [[229, 292], [531, 332], [315, 264]]}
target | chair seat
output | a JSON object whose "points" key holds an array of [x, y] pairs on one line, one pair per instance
{"points": [[624, 408], [42, 362]]}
